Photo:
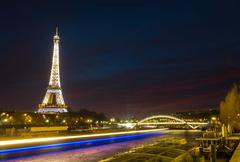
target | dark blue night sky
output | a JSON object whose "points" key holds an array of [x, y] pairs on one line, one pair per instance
{"points": [[121, 57]]}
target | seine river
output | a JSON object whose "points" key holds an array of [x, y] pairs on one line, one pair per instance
{"points": [[104, 150]]}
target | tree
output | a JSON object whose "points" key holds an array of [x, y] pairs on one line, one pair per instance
{"points": [[230, 108]]}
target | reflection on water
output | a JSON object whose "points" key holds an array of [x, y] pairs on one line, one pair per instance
{"points": [[95, 153]]}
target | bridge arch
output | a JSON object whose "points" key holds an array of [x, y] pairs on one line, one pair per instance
{"points": [[161, 116], [175, 121]]}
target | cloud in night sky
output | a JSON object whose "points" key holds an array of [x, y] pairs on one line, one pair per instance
{"points": [[134, 57]]}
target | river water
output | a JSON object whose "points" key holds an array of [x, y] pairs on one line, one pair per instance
{"points": [[96, 153]]}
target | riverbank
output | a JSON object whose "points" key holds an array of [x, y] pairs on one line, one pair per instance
{"points": [[167, 149], [178, 149]]}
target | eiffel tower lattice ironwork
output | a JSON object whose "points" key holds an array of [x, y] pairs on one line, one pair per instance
{"points": [[53, 101]]}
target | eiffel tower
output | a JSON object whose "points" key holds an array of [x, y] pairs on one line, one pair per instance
{"points": [[53, 101]]}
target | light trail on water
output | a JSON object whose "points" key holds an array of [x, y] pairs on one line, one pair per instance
{"points": [[51, 139], [94, 141]]}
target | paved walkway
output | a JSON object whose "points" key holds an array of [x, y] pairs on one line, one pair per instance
{"points": [[236, 155]]}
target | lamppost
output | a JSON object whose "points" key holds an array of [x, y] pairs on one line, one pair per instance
{"points": [[89, 121], [214, 123]]}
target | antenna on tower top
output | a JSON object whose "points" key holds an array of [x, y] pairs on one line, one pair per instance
{"points": [[56, 30]]}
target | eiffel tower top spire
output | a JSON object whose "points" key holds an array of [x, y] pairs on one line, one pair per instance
{"points": [[56, 36], [56, 31]]}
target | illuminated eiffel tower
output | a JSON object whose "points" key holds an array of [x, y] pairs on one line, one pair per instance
{"points": [[53, 101]]}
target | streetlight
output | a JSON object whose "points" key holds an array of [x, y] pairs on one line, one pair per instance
{"points": [[213, 118], [213, 121], [112, 120], [3, 114], [5, 120], [89, 120]]}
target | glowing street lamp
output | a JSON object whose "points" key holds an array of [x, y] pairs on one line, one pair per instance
{"points": [[89, 121], [214, 122], [2, 114], [112, 120], [213, 118], [5, 120]]}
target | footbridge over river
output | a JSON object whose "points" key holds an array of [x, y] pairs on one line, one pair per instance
{"points": [[164, 120]]}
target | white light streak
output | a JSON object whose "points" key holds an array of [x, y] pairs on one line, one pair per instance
{"points": [[50, 139]]}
